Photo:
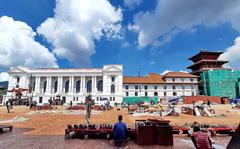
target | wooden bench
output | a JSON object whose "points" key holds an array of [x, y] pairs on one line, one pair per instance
{"points": [[5, 127]]}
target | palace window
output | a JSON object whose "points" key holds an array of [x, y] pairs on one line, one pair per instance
{"points": [[34, 84], [55, 86], [136, 87], [146, 94], [173, 80], [165, 87], [78, 86], [64, 99], [126, 87], [18, 79], [40, 99], [113, 79], [174, 94], [127, 94], [155, 87], [89, 86], [155, 93], [100, 86], [66, 87], [174, 87], [136, 93], [112, 88], [145, 87], [44, 86], [191, 80], [165, 93]]}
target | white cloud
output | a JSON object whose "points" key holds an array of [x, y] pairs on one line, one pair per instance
{"points": [[152, 62], [132, 3], [126, 44], [165, 72], [4, 76], [171, 17], [77, 24], [183, 71], [18, 47], [232, 54]]}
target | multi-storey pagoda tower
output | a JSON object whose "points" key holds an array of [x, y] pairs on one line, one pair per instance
{"points": [[206, 60]]}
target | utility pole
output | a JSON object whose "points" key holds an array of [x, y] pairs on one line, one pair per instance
{"points": [[139, 88], [139, 80]]}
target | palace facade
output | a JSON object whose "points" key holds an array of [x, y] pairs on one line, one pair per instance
{"points": [[74, 84], [172, 84]]}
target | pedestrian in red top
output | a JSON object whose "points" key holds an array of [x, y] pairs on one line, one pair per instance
{"points": [[201, 140]]}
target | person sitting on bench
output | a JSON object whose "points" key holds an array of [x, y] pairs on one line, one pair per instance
{"points": [[120, 131], [201, 140]]}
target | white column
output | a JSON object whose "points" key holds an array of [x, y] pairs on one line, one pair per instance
{"points": [[49, 84], [37, 85], [83, 84], [60, 83], [92, 84], [95, 84], [71, 84]]}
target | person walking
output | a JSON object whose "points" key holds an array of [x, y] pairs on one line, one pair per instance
{"points": [[209, 103], [8, 105], [160, 109]]}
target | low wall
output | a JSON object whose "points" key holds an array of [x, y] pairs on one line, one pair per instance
{"points": [[190, 99]]}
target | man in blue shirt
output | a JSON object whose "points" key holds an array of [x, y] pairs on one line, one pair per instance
{"points": [[120, 131]]}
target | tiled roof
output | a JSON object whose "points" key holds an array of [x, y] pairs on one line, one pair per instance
{"points": [[153, 78], [180, 75]]}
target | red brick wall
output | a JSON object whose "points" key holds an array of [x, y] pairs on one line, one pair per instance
{"points": [[190, 99]]}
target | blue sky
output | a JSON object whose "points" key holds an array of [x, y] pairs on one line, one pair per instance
{"points": [[147, 35]]}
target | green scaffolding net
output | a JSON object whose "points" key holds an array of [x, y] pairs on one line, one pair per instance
{"points": [[222, 83], [134, 100]]}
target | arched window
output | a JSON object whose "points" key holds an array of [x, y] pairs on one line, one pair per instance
{"points": [[55, 86], [89, 86], [100, 86], [112, 88], [44, 86], [67, 87], [78, 86], [34, 84]]}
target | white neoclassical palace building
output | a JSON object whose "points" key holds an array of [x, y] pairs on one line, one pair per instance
{"points": [[72, 84]]}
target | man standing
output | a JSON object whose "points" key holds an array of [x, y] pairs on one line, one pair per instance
{"points": [[209, 103], [120, 131], [88, 104], [8, 105], [160, 109]]}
